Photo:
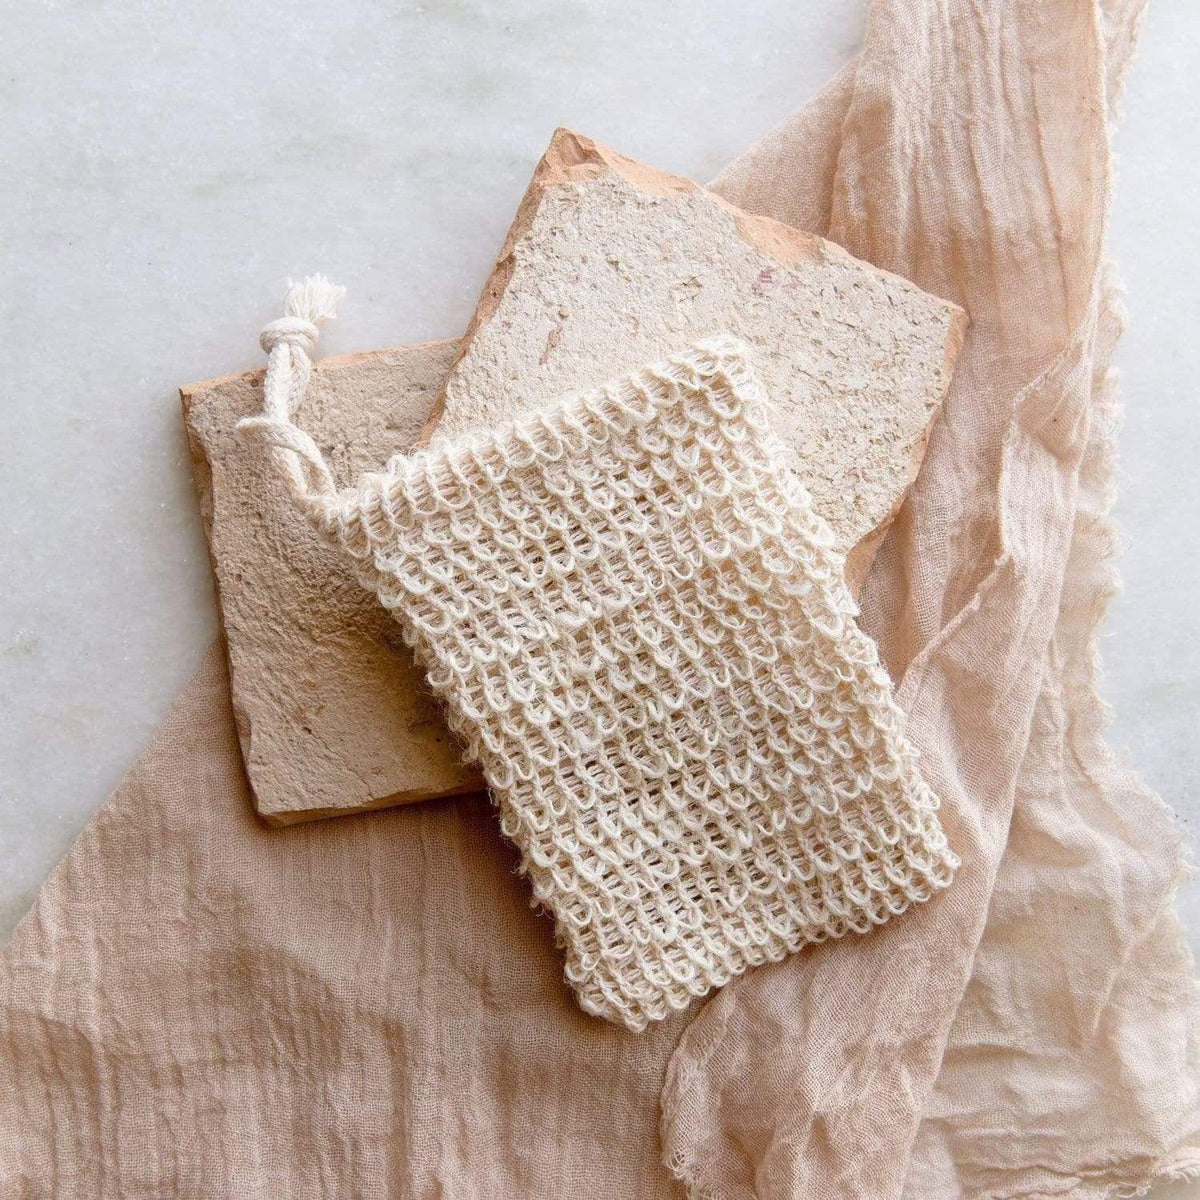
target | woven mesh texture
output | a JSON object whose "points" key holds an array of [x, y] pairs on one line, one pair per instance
{"points": [[642, 635]]}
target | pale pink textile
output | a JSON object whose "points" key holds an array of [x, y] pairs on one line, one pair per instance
{"points": [[199, 1006], [973, 158]]}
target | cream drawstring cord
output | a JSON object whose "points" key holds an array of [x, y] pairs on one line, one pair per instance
{"points": [[289, 343]]}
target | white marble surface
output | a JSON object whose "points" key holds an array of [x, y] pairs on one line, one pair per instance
{"points": [[166, 168]]}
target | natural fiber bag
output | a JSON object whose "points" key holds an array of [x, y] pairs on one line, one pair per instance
{"points": [[643, 637]]}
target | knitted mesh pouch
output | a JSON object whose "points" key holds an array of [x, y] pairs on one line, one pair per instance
{"points": [[643, 637]]}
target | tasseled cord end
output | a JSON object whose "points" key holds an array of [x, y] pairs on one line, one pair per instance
{"points": [[315, 300], [289, 343]]}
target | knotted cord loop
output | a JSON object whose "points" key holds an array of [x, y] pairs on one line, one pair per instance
{"points": [[289, 341], [296, 332]]}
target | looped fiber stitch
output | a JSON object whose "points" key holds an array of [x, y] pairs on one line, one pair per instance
{"points": [[642, 634]]}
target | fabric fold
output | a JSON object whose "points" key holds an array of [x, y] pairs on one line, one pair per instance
{"points": [[998, 562]]}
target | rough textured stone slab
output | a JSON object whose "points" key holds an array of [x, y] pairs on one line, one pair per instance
{"points": [[602, 271], [610, 264], [332, 713]]}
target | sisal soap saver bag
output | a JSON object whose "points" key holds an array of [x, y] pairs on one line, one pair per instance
{"points": [[642, 636]]}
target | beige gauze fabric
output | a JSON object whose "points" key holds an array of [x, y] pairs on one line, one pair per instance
{"points": [[201, 1006], [973, 157]]}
